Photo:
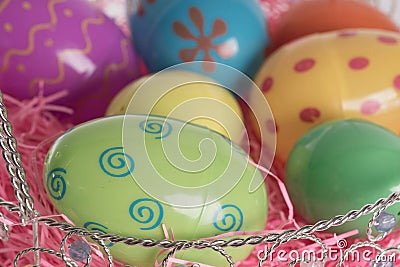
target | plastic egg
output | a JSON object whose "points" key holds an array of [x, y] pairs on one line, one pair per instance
{"points": [[66, 47], [132, 174], [340, 74], [182, 95], [316, 16], [341, 166], [169, 32]]}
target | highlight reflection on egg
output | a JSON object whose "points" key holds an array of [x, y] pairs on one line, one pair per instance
{"points": [[341, 74], [68, 47], [132, 174], [169, 32], [182, 95], [343, 165]]}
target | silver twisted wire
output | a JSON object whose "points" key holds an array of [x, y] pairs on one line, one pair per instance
{"points": [[371, 223], [4, 231], [43, 250], [26, 211], [94, 237], [295, 237], [14, 167], [105, 249], [11, 207], [164, 263], [378, 258], [354, 247], [220, 250], [234, 242], [62, 250]]}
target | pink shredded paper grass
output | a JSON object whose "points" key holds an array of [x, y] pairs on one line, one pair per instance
{"points": [[35, 128]]}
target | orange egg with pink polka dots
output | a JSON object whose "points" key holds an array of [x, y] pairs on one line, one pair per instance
{"points": [[353, 73]]}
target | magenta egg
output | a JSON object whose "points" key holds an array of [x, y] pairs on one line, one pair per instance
{"points": [[66, 47]]}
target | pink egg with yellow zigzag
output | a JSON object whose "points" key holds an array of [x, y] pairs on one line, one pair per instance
{"points": [[65, 48]]}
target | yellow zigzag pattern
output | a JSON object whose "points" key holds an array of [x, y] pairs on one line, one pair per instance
{"points": [[124, 45], [86, 50], [31, 38], [4, 4], [114, 67]]}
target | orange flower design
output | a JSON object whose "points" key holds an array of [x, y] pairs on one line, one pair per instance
{"points": [[204, 43]]}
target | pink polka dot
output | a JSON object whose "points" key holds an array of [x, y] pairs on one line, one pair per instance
{"points": [[387, 40], [396, 82], [267, 84], [346, 34], [370, 107], [358, 63], [304, 65], [310, 114], [271, 126]]}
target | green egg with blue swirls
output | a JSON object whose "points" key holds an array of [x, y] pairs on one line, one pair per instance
{"points": [[130, 175]]}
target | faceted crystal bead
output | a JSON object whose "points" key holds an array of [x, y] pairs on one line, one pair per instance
{"points": [[385, 222], [382, 264], [79, 250]]}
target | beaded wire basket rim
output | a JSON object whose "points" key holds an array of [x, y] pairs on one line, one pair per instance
{"points": [[29, 216]]}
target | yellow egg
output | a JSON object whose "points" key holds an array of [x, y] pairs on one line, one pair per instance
{"points": [[185, 96], [351, 73]]}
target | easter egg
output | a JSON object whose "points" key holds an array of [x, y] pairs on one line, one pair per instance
{"points": [[169, 32], [67, 50], [340, 74], [131, 175], [182, 95], [340, 166], [315, 16]]}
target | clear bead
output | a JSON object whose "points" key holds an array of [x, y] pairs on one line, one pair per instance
{"points": [[79, 250], [382, 264], [385, 222]]}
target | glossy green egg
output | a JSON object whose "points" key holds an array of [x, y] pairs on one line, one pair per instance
{"points": [[341, 166], [130, 175]]}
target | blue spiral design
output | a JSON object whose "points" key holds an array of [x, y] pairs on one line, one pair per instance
{"points": [[55, 183], [229, 217], [94, 226], [160, 128], [141, 211], [116, 163]]}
